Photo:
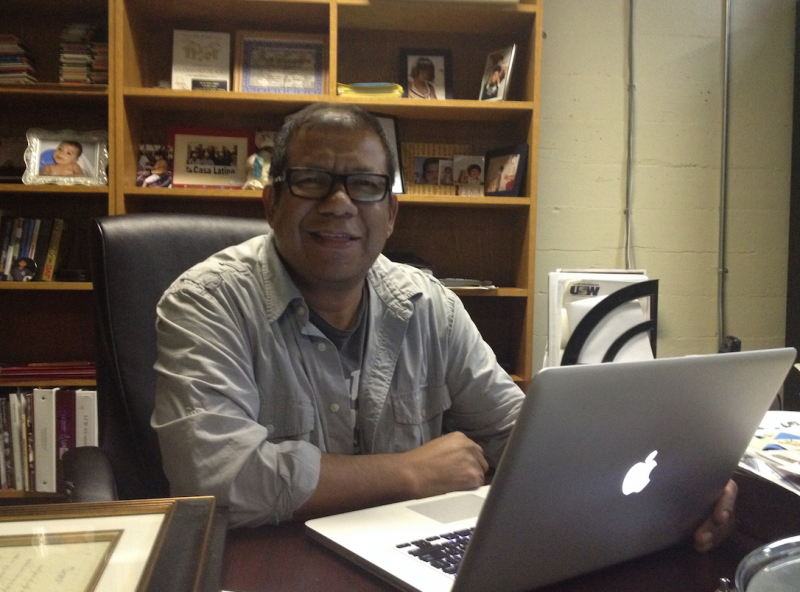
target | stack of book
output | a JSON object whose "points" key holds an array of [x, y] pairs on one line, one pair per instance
{"points": [[36, 427], [76, 53], [32, 248], [15, 66], [99, 71], [370, 89], [41, 371]]}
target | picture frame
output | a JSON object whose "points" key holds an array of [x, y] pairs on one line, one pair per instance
{"points": [[281, 63], [433, 170], [154, 165], [223, 162], [389, 125], [119, 546], [497, 74], [83, 157], [468, 173], [505, 171], [426, 73]]}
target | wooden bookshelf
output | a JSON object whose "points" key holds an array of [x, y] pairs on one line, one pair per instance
{"points": [[486, 237]]}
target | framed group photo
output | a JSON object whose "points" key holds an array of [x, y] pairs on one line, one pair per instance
{"points": [[497, 74], [204, 157], [426, 73], [505, 171], [66, 157], [281, 63]]}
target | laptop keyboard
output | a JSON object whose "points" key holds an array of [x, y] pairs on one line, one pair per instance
{"points": [[444, 551]]}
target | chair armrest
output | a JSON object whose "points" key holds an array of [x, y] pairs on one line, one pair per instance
{"points": [[88, 475]]}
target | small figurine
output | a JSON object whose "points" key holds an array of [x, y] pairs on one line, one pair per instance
{"points": [[258, 164]]}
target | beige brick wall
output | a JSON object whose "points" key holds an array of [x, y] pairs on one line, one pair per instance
{"points": [[678, 75]]}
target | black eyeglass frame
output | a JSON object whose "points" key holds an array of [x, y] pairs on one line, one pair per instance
{"points": [[285, 178]]}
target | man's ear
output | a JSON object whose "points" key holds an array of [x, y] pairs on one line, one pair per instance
{"points": [[394, 206], [268, 197]]}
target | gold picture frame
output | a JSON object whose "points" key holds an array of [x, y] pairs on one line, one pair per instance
{"points": [[102, 546], [281, 63]]}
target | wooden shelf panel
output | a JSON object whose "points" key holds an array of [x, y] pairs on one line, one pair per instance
{"points": [[464, 201], [54, 94], [53, 189], [166, 100], [48, 383], [45, 286], [523, 203], [192, 193], [462, 17]]}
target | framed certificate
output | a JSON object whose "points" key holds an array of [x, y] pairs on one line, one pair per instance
{"points": [[281, 63], [96, 547]]}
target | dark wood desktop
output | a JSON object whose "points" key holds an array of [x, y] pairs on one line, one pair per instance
{"points": [[284, 559]]}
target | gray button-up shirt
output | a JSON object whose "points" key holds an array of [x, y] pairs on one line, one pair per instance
{"points": [[248, 388]]}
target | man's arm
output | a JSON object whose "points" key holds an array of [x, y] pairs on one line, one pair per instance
{"points": [[450, 463]]}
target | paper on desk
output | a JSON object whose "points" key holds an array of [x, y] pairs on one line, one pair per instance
{"points": [[774, 451]]}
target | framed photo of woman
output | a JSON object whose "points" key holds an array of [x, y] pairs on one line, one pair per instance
{"points": [[426, 73]]}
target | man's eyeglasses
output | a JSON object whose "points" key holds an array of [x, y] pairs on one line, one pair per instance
{"points": [[316, 184]]}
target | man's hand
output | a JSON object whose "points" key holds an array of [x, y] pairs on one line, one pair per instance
{"points": [[450, 463], [720, 524], [346, 482]]}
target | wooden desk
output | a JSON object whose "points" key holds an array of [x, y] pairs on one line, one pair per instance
{"points": [[284, 559]]}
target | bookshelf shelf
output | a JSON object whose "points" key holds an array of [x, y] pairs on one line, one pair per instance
{"points": [[45, 286], [79, 383], [54, 189]]}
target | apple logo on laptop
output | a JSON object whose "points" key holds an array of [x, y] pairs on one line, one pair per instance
{"points": [[639, 475]]}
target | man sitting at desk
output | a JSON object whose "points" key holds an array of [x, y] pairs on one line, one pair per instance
{"points": [[302, 373]]}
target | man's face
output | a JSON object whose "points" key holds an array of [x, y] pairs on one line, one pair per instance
{"points": [[332, 242]]}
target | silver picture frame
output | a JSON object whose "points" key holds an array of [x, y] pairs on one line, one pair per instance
{"points": [[91, 160]]}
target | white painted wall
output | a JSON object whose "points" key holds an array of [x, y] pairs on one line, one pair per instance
{"points": [[678, 78]]}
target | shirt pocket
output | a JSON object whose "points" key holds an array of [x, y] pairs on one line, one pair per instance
{"points": [[288, 422], [418, 416]]}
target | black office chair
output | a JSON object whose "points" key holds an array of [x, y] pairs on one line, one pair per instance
{"points": [[134, 259]]}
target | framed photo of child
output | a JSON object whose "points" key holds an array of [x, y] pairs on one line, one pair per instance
{"points": [[66, 157], [426, 73]]}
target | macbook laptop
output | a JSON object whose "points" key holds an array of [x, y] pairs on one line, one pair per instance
{"points": [[607, 462]]}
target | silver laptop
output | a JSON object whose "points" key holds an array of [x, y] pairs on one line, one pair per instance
{"points": [[607, 462]]}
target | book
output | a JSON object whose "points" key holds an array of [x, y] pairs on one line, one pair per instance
{"points": [[8, 453], [29, 452], [65, 430], [86, 418], [3, 476], [53, 250], [44, 421], [13, 247], [42, 247], [17, 438], [6, 227], [37, 224], [201, 60]]}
